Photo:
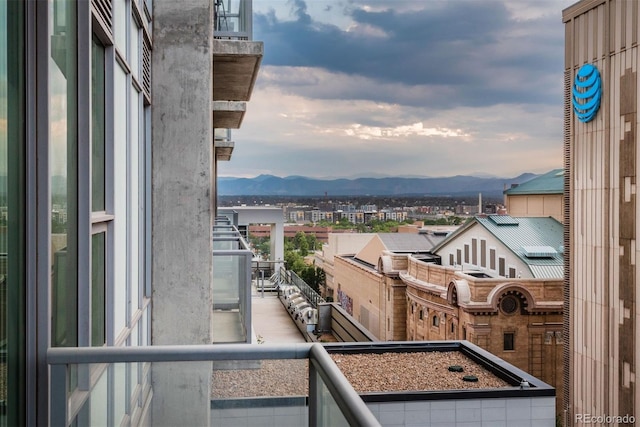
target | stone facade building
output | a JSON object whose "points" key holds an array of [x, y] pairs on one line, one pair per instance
{"points": [[401, 291]]}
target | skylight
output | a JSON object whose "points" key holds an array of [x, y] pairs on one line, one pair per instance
{"points": [[539, 251]]}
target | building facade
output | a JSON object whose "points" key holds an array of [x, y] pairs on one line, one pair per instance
{"points": [[93, 225], [398, 290], [542, 196], [506, 246], [601, 168]]}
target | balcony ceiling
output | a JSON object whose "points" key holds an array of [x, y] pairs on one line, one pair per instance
{"points": [[228, 114], [235, 68], [224, 149]]}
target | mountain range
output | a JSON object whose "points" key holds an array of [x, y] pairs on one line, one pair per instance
{"points": [[459, 185]]}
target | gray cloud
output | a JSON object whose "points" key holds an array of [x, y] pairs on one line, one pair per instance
{"points": [[458, 53]]}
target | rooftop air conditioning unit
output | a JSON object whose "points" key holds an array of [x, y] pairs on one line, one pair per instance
{"points": [[311, 317]]}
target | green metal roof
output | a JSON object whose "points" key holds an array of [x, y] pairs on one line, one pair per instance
{"points": [[526, 240], [550, 183]]}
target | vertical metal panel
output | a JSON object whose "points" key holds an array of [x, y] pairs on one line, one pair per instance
{"points": [[43, 311], [32, 237], [612, 24], [568, 37]]}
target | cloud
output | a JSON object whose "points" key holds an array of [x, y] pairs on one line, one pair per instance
{"points": [[397, 87], [477, 53]]}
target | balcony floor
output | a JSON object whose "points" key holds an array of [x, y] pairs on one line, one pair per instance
{"points": [[271, 321]]}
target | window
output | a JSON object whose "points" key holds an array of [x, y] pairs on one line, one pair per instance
{"points": [[98, 329], [474, 251], [451, 259], [509, 304], [12, 211], [483, 253], [501, 266], [466, 254], [63, 166], [512, 272], [97, 127], [458, 256], [99, 218], [509, 341], [435, 320], [492, 259], [420, 315]]}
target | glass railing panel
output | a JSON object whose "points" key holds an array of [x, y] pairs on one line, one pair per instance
{"points": [[328, 412], [233, 19], [260, 392], [226, 281], [295, 384]]}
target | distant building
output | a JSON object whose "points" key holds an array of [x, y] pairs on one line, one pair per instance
{"points": [[346, 243], [539, 197], [375, 299], [396, 287], [502, 245]]}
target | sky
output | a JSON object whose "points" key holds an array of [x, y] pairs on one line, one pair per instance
{"points": [[371, 88]]}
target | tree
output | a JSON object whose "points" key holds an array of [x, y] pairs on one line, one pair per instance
{"points": [[301, 244], [314, 277]]}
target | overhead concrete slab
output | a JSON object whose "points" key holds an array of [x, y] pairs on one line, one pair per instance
{"points": [[224, 149], [228, 114], [235, 68]]}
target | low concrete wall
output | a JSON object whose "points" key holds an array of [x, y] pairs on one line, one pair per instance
{"points": [[333, 318]]}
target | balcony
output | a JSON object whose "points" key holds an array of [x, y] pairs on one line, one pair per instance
{"points": [[222, 144], [231, 291], [171, 385], [236, 60]]}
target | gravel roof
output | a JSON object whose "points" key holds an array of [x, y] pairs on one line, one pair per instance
{"points": [[367, 372]]}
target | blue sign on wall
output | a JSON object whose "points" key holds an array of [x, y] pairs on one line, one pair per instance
{"points": [[587, 91]]}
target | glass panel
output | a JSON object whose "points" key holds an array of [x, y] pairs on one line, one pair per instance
{"points": [[260, 392], [121, 394], [98, 333], [134, 201], [226, 280], [63, 169], [98, 126], [134, 59], [329, 413], [120, 203], [120, 25], [12, 214], [98, 402]]}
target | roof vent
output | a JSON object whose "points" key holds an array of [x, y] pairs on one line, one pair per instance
{"points": [[503, 220], [539, 251]]}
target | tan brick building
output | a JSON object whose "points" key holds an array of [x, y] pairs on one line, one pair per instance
{"points": [[400, 292], [540, 197], [368, 284], [518, 320]]}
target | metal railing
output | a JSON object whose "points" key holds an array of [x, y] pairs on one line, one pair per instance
{"points": [[233, 19], [328, 387], [291, 278]]}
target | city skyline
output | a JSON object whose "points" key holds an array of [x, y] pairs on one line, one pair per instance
{"points": [[423, 88]]}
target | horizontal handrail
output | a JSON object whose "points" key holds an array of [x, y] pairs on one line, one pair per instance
{"points": [[176, 353], [352, 406]]}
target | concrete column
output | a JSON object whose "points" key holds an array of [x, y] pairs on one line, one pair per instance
{"points": [[182, 173], [277, 241]]}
